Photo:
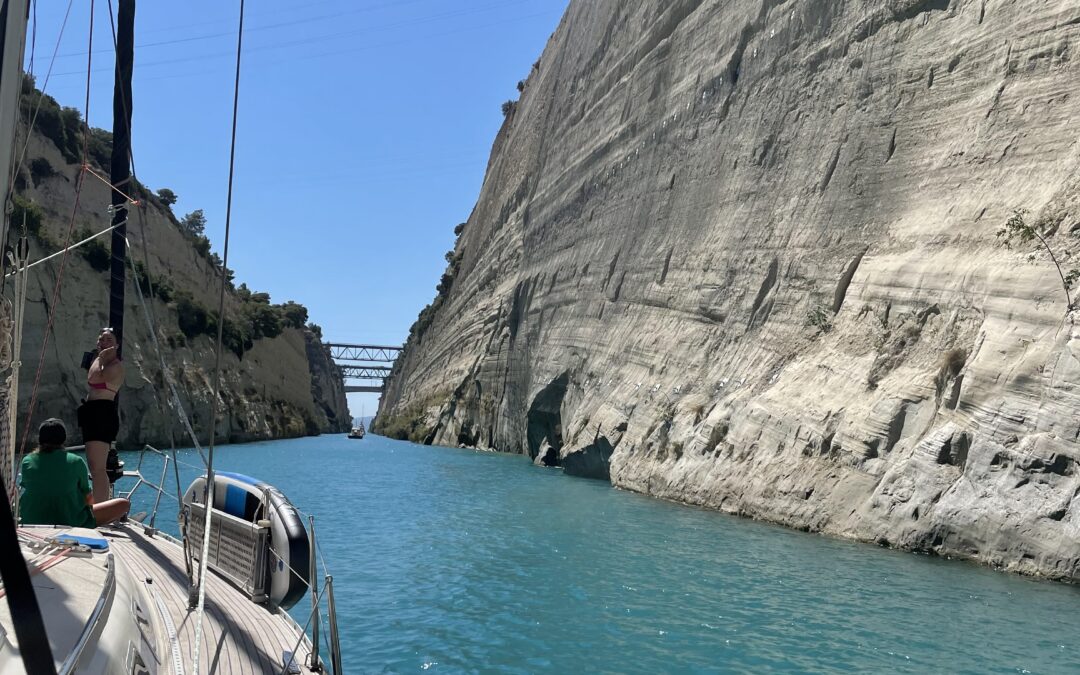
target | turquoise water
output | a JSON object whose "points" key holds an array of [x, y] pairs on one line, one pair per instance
{"points": [[453, 560]]}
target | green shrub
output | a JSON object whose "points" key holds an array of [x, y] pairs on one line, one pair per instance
{"points": [[151, 287], [94, 251], [818, 317], [167, 197], [194, 224], [202, 245], [296, 315], [40, 169], [265, 320], [407, 426], [26, 212], [235, 339], [1016, 230], [99, 147], [190, 316]]}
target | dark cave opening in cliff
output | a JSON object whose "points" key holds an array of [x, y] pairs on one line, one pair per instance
{"points": [[544, 431]]}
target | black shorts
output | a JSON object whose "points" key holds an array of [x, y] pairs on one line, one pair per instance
{"points": [[99, 420]]}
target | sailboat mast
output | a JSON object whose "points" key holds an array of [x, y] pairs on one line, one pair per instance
{"points": [[13, 16], [21, 599], [120, 171]]}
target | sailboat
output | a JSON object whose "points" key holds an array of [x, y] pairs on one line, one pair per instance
{"points": [[130, 598], [358, 431]]}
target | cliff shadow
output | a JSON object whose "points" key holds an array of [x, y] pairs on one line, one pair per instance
{"points": [[544, 419], [591, 461]]}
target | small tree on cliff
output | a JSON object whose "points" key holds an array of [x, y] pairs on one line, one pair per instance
{"points": [[167, 197], [1016, 230], [194, 223]]}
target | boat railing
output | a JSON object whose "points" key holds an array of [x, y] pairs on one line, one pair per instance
{"points": [[158, 488], [335, 644], [94, 624], [238, 549], [238, 552]]}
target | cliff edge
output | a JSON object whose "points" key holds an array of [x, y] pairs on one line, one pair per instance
{"points": [[277, 379], [743, 255]]}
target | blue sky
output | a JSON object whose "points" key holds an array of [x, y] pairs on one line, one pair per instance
{"points": [[364, 130]]}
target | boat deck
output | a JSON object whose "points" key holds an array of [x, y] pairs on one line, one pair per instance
{"points": [[238, 635], [67, 588]]}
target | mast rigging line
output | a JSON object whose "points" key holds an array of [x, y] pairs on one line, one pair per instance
{"points": [[251, 29], [176, 403], [89, 70], [209, 500], [62, 251], [435, 19], [131, 200], [63, 258]]}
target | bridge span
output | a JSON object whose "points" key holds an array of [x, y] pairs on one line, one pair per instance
{"points": [[364, 364]]}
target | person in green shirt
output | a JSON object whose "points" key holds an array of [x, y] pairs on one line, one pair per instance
{"points": [[56, 485]]}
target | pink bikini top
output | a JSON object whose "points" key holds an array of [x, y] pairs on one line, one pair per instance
{"points": [[100, 385]]}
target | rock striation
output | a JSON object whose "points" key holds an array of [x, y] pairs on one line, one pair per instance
{"points": [[283, 386], [742, 254]]}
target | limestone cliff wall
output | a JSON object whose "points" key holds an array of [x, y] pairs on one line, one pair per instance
{"points": [[284, 386], [742, 254]]}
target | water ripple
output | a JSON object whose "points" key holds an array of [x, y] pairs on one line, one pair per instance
{"points": [[457, 561]]}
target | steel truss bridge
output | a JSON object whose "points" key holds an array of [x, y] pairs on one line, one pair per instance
{"points": [[364, 364]]}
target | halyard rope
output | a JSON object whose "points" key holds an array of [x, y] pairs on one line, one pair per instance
{"points": [[204, 559]]}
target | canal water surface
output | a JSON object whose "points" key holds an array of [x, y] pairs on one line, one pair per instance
{"points": [[452, 560]]}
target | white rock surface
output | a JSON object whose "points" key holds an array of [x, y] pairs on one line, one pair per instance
{"points": [[285, 386], [684, 183]]}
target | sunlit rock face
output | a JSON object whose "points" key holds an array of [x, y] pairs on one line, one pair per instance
{"points": [[742, 254], [282, 387]]}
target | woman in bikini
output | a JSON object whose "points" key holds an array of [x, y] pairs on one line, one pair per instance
{"points": [[99, 417]]}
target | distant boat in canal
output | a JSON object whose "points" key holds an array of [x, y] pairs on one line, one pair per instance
{"points": [[357, 432]]}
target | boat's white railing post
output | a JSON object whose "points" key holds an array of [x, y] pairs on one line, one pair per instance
{"points": [[141, 480], [157, 501], [313, 587], [335, 643]]}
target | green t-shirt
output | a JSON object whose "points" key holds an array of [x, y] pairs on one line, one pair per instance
{"points": [[55, 485]]}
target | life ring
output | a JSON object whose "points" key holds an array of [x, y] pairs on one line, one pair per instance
{"points": [[289, 558]]}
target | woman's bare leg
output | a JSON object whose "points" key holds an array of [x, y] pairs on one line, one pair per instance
{"points": [[96, 454], [111, 510]]}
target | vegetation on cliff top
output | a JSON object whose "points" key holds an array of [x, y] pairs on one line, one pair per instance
{"points": [[442, 292], [255, 318]]}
